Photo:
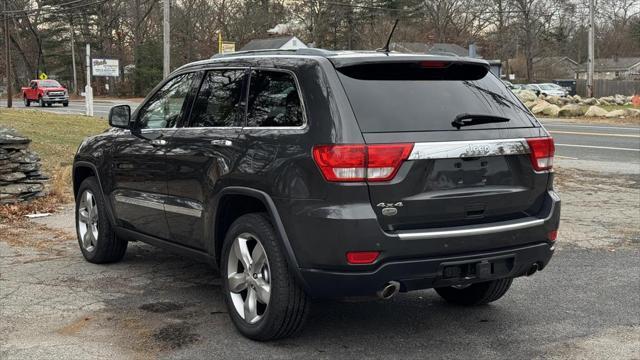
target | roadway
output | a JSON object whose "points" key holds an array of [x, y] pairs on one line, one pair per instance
{"points": [[574, 141], [76, 107], [598, 142]]}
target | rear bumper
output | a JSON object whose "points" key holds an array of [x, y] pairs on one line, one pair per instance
{"points": [[426, 273], [321, 234], [414, 258]]}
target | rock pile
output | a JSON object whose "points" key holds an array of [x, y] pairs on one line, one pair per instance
{"points": [[20, 175], [572, 106]]}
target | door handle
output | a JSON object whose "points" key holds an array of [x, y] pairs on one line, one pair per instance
{"points": [[222, 142], [158, 142]]}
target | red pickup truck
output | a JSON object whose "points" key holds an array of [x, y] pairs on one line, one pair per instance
{"points": [[45, 92]]}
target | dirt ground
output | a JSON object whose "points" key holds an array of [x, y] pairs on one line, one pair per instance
{"points": [[157, 305], [599, 210]]}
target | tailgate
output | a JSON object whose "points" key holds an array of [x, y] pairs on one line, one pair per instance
{"points": [[482, 173], [455, 183]]}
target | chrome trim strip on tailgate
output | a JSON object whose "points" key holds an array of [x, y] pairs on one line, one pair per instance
{"points": [[470, 231], [473, 148]]}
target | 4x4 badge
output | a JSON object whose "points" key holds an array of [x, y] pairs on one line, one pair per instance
{"points": [[397, 204], [389, 209]]}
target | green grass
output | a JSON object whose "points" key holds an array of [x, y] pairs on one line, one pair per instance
{"points": [[55, 137]]}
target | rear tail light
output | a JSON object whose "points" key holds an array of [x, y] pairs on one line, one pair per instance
{"points": [[552, 235], [542, 150], [362, 257], [378, 162]]}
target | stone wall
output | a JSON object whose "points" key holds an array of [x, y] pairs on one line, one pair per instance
{"points": [[20, 175]]}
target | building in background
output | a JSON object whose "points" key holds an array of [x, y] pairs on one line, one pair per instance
{"points": [[627, 68], [554, 67]]}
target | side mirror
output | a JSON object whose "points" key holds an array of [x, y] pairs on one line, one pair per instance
{"points": [[120, 116]]}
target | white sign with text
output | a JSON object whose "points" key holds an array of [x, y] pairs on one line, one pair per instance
{"points": [[105, 67]]}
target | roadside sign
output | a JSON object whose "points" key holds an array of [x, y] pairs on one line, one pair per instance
{"points": [[105, 67], [228, 47], [43, 76]]}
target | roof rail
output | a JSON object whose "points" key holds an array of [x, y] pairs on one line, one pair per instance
{"points": [[302, 51]]}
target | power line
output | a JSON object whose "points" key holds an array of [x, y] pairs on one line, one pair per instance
{"points": [[41, 8], [49, 11], [423, 7]]}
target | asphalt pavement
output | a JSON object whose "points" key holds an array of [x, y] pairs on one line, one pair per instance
{"points": [[154, 304], [593, 141], [77, 107]]}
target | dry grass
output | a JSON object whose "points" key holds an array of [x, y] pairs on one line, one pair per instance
{"points": [[13, 213], [55, 138]]}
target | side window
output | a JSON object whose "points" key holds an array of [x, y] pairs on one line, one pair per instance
{"points": [[165, 107], [273, 100], [218, 101]]}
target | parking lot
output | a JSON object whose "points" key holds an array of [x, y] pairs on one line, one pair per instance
{"points": [[153, 304]]}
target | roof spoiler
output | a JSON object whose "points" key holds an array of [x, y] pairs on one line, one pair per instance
{"points": [[416, 69]]}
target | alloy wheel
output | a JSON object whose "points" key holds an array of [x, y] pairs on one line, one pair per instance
{"points": [[88, 221], [249, 278]]}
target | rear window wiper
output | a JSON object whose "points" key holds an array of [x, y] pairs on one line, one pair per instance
{"points": [[475, 119]]}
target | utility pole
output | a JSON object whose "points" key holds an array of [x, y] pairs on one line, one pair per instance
{"points": [[88, 91], [590, 62], [73, 61], [8, 56], [166, 39]]}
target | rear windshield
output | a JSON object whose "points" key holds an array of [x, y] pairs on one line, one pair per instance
{"points": [[381, 104]]}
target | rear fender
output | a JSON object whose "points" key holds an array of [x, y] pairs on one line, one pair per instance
{"points": [[274, 217]]}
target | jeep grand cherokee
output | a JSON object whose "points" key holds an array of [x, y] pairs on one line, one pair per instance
{"points": [[315, 174]]}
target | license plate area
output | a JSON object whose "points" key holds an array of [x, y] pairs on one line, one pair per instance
{"points": [[485, 268], [470, 172]]}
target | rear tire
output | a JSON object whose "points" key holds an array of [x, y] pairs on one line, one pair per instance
{"points": [[26, 101], [96, 237], [41, 102], [476, 294], [287, 305]]}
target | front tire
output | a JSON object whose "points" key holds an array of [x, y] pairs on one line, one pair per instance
{"points": [[41, 102], [65, 104], [96, 237], [26, 101], [475, 294], [265, 301]]}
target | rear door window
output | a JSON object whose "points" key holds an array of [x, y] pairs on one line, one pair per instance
{"points": [[274, 100], [219, 101], [402, 100]]}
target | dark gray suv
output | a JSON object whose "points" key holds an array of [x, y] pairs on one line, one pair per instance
{"points": [[316, 174]]}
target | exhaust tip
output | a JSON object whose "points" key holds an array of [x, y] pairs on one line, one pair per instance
{"points": [[389, 290], [533, 269]]}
